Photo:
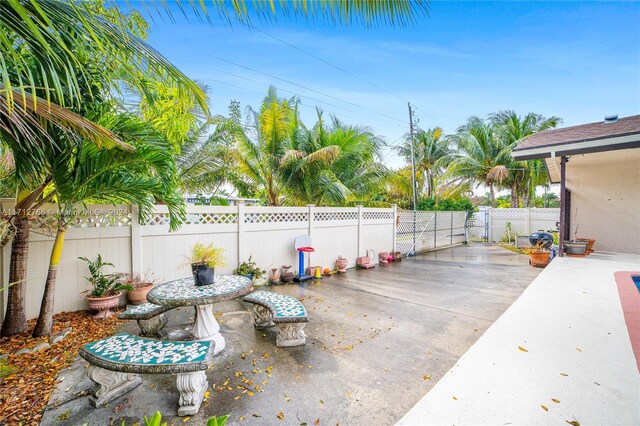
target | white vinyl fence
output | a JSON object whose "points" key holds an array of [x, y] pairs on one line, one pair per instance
{"points": [[265, 233], [523, 221], [432, 230]]}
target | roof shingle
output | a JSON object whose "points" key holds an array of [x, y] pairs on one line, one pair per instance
{"points": [[585, 132]]}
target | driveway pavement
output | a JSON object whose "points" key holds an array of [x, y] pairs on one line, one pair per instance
{"points": [[378, 340]]}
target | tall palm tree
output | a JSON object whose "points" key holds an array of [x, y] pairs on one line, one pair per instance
{"points": [[332, 165], [510, 128], [263, 143], [479, 158], [143, 177], [431, 149]]}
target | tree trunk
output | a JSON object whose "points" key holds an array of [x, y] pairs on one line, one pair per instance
{"points": [[492, 193], [15, 320], [45, 319], [513, 202]]}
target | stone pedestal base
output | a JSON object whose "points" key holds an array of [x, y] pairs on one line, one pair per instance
{"points": [[110, 384], [262, 317], [290, 334], [192, 387], [207, 328], [153, 327]]}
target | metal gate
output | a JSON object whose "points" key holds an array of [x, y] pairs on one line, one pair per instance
{"points": [[429, 230], [477, 227]]}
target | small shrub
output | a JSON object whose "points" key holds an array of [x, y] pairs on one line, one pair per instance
{"points": [[207, 254], [249, 267]]}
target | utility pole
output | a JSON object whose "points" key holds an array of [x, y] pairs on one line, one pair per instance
{"points": [[413, 179]]}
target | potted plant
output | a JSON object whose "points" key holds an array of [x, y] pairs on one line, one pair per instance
{"points": [[575, 248], [140, 285], [250, 270], [538, 255], [590, 242], [204, 260], [341, 264], [105, 288]]}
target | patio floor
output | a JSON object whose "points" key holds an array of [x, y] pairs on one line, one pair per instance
{"points": [[577, 364], [378, 340]]}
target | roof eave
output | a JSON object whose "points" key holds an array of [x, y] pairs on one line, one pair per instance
{"points": [[573, 148]]}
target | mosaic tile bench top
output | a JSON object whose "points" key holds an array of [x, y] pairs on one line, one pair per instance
{"points": [[144, 311], [283, 306], [184, 292], [125, 352]]}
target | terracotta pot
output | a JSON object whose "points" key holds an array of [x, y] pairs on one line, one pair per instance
{"points": [[287, 275], [138, 295], [397, 256], [275, 276], [383, 257], [539, 260], [103, 304], [341, 264], [589, 242]]}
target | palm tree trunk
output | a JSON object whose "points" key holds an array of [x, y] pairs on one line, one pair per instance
{"points": [[492, 193], [45, 319], [513, 202], [15, 320]]}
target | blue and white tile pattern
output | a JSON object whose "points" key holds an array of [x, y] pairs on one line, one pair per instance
{"points": [[283, 305]]}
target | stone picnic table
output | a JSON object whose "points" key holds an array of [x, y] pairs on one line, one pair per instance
{"points": [[184, 292]]}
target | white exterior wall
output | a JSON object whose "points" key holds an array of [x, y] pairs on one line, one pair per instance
{"points": [[266, 233], [605, 199]]}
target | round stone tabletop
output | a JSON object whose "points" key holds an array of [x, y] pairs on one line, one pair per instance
{"points": [[184, 292]]}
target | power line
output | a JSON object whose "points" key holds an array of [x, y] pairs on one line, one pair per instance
{"points": [[306, 88], [326, 62]]}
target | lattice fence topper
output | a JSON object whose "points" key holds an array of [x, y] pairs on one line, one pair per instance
{"points": [[511, 213], [377, 215], [335, 216], [196, 219], [85, 219], [275, 217]]}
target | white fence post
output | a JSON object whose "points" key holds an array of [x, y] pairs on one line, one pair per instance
{"points": [[311, 230], [394, 221], [136, 242], [527, 221], [490, 225], [241, 224], [360, 233]]}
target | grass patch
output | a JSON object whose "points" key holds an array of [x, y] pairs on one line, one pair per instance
{"points": [[6, 369], [512, 248]]}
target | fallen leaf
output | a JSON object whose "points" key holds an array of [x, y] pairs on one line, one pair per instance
{"points": [[454, 398], [317, 422], [427, 377], [250, 393], [207, 394], [256, 415], [544, 408], [564, 374], [573, 422], [578, 349], [522, 349], [186, 419], [280, 416]]}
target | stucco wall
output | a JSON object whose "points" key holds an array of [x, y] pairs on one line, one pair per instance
{"points": [[605, 199]]}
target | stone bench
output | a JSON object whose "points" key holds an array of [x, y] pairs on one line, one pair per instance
{"points": [[285, 312], [150, 317], [116, 361]]}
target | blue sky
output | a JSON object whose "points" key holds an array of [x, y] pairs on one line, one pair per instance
{"points": [[579, 61]]}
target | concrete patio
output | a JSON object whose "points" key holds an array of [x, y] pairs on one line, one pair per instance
{"points": [[563, 345], [378, 340]]}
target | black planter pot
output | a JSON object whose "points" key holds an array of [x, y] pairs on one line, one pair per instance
{"points": [[202, 274]]}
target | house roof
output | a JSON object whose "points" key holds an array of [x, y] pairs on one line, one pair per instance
{"points": [[592, 137]]}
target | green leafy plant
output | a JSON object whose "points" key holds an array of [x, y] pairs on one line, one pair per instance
{"points": [[249, 268], [156, 420], [207, 254], [103, 285], [217, 421]]}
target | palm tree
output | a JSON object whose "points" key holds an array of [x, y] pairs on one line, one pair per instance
{"points": [[143, 177], [332, 165], [510, 128], [431, 149], [479, 158], [47, 47], [262, 144]]}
